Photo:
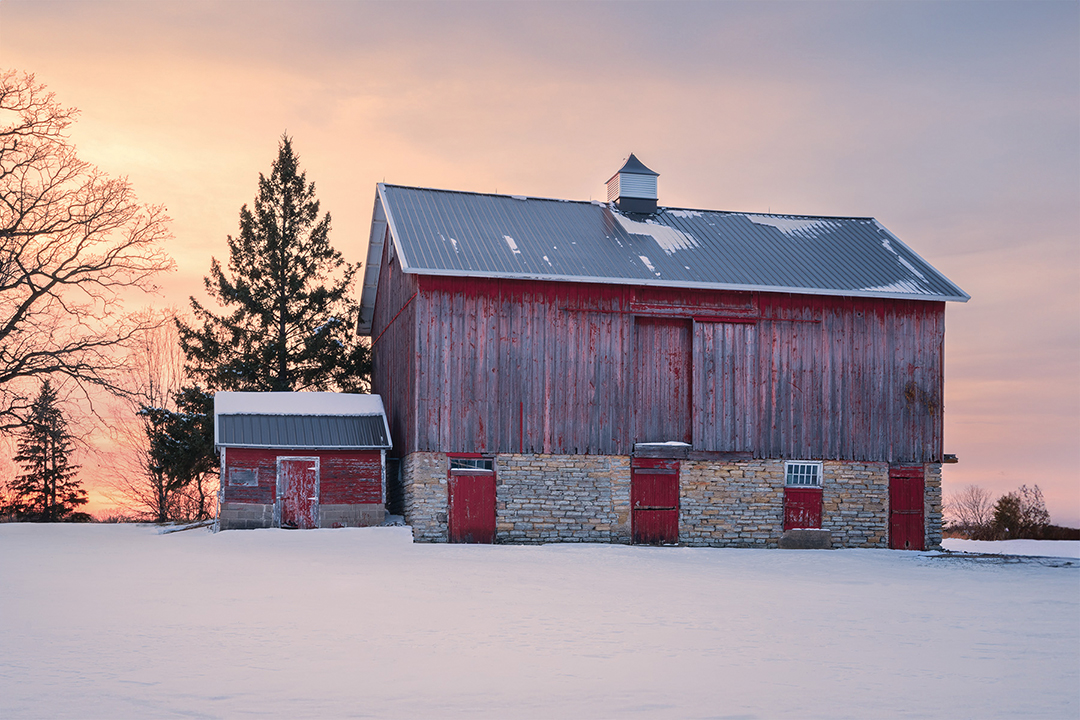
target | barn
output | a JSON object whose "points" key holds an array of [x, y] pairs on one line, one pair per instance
{"points": [[300, 459], [620, 371]]}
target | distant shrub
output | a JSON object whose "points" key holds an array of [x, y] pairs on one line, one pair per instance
{"points": [[1021, 514], [1057, 532]]}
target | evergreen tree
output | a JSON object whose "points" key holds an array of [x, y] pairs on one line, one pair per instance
{"points": [[289, 315], [1021, 514], [49, 491], [181, 452]]}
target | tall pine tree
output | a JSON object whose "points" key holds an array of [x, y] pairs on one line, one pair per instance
{"points": [[289, 314], [49, 490]]}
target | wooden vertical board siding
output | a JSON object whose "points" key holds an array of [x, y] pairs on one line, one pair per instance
{"points": [[393, 335], [663, 364], [725, 406], [531, 366]]}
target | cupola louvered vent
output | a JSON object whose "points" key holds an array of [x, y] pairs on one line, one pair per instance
{"points": [[633, 188]]}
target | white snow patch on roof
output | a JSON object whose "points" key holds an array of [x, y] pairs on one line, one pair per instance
{"points": [[453, 242], [669, 239], [519, 197], [513, 245], [296, 403], [888, 246], [684, 213], [793, 226], [904, 286], [648, 264], [547, 260]]}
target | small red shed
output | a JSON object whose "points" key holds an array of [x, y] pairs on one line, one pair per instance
{"points": [[301, 459]]}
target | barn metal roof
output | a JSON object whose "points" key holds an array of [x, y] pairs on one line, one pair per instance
{"points": [[303, 431], [442, 232]]}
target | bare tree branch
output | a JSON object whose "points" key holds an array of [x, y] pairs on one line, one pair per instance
{"points": [[72, 240]]}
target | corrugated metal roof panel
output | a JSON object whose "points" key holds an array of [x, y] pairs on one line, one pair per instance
{"points": [[303, 431], [441, 232]]}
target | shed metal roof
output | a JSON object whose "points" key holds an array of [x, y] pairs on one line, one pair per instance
{"points": [[303, 431], [442, 232]]}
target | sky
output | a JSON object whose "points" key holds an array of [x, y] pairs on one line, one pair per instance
{"points": [[955, 124]]}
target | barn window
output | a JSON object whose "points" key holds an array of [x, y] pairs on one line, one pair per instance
{"points": [[244, 476], [801, 473], [468, 463]]}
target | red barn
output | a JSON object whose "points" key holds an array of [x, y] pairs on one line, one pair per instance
{"points": [[625, 372], [301, 460]]}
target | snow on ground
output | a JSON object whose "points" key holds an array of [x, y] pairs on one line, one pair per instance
{"points": [[1034, 548], [120, 621]]}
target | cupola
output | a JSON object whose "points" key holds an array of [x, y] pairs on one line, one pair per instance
{"points": [[633, 188]]}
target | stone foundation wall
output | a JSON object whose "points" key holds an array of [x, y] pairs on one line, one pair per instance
{"points": [[739, 504], [586, 498], [245, 516], [351, 515], [855, 503], [932, 506], [423, 478], [562, 498]]}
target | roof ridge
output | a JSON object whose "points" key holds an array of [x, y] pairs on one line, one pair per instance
{"points": [[511, 196]]}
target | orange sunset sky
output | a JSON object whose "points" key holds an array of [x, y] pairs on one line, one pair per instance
{"points": [[956, 125]]}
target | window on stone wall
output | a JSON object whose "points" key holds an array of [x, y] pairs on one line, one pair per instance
{"points": [[468, 463], [802, 473], [248, 477]]}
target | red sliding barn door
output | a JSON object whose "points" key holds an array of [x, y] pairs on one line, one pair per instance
{"points": [[298, 492], [907, 529], [472, 506], [663, 407], [654, 501]]}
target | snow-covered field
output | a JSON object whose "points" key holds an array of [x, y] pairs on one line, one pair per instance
{"points": [[1031, 548], [119, 621]]}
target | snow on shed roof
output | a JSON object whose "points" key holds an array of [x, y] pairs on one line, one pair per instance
{"points": [[300, 419], [443, 232]]}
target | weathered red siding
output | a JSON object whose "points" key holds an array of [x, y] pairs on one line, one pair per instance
{"points": [[483, 365], [393, 344], [346, 477]]}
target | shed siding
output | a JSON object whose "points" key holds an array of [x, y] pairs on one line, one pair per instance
{"points": [[345, 477], [517, 366]]}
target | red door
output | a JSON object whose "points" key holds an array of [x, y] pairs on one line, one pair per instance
{"points": [[298, 492], [906, 527], [664, 404], [654, 501], [802, 508], [472, 506]]}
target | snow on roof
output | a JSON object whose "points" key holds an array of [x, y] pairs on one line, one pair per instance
{"points": [[296, 403]]}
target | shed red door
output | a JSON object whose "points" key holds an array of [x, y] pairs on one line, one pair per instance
{"points": [[907, 529], [654, 501], [472, 506], [802, 508], [298, 492]]}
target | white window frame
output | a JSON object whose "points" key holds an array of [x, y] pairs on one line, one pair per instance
{"points": [[801, 468]]}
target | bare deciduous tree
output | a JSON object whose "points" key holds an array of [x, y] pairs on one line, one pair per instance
{"points": [[971, 511], [154, 373], [72, 240]]}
